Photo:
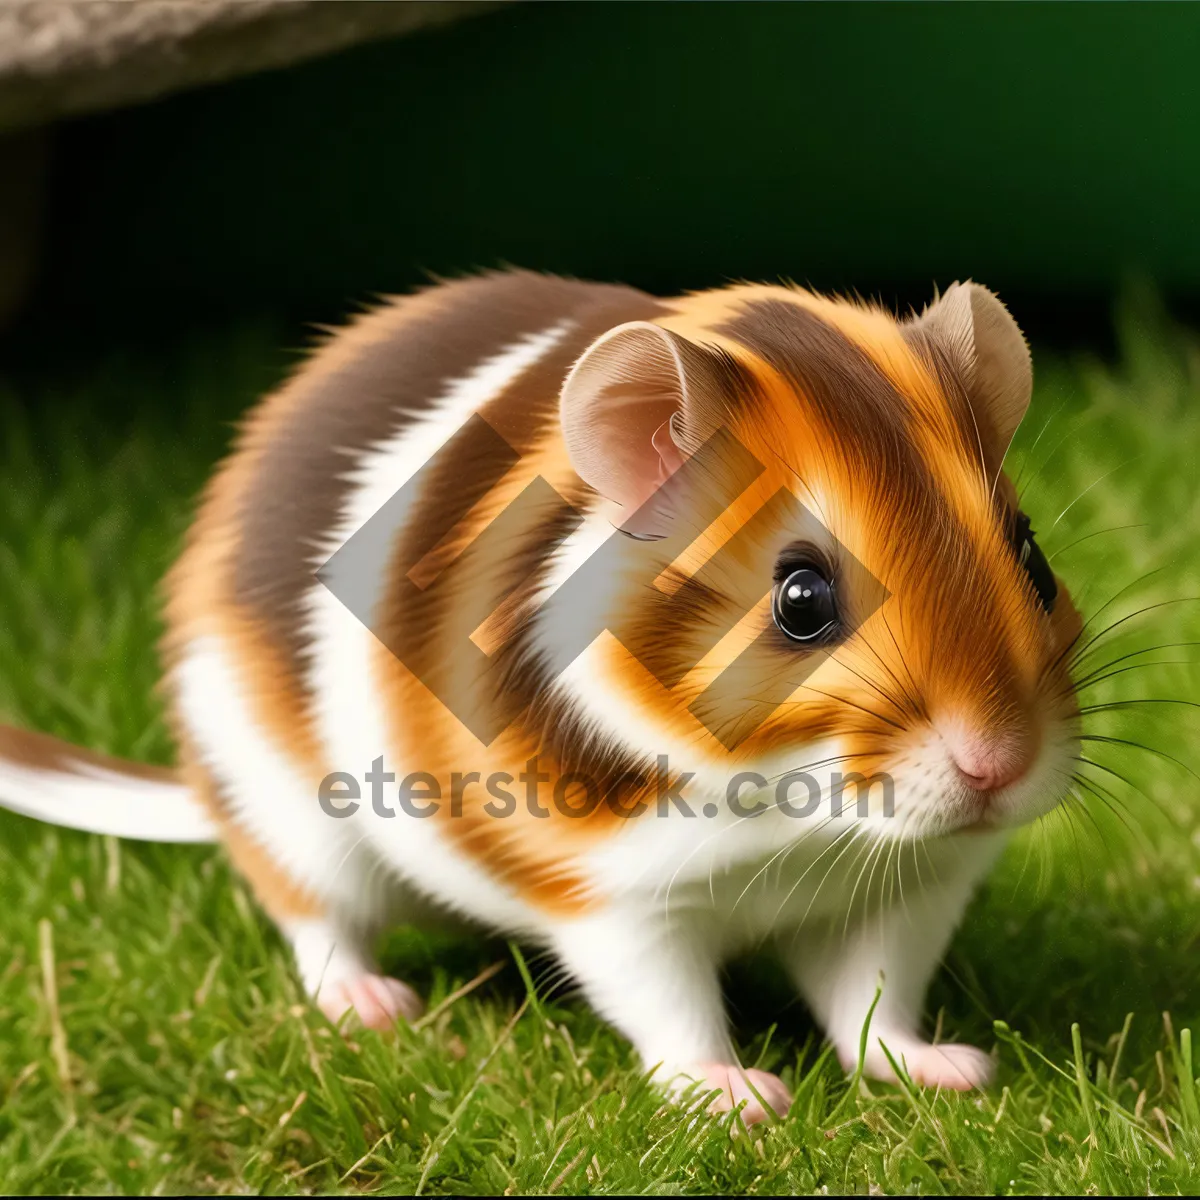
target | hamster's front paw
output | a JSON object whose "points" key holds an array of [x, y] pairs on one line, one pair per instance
{"points": [[378, 1000], [947, 1065], [736, 1084]]}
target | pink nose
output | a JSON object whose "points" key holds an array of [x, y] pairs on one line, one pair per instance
{"points": [[989, 766]]}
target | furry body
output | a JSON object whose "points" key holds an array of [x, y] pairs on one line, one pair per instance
{"points": [[465, 685]]}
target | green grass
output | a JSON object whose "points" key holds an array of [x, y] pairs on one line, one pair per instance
{"points": [[153, 1038]]}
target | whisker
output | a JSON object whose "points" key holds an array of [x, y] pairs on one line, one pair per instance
{"points": [[1117, 624], [910, 704], [824, 762], [914, 691], [1092, 762], [870, 683], [885, 843], [1092, 485], [852, 832], [1083, 808], [856, 832], [1085, 681], [1097, 679], [1135, 701], [728, 829], [916, 864], [1028, 855], [1116, 741], [1029, 453], [1107, 798], [1079, 860], [1124, 590], [1088, 536], [783, 852], [842, 700], [1112, 803], [870, 848]]}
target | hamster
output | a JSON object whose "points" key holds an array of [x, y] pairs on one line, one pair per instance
{"points": [[572, 611]]}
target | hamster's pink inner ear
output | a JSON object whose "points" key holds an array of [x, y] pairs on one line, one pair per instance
{"points": [[636, 404], [987, 349]]}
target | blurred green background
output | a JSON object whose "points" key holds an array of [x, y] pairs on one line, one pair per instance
{"points": [[1049, 150]]}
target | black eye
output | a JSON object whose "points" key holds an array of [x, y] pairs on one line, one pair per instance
{"points": [[1030, 556], [804, 606]]}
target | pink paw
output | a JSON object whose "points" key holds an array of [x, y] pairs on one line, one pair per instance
{"points": [[377, 1000], [946, 1065], [949, 1065], [737, 1084]]}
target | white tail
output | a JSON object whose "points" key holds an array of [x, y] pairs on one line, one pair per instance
{"points": [[62, 784]]}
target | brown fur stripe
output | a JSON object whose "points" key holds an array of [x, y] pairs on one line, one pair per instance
{"points": [[525, 414], [41, 752], [853, 399], [356, 395]]}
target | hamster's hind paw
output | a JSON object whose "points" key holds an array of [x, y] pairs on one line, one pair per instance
{"points": [[377, 1000], [949, 1065], [735, 1084]]}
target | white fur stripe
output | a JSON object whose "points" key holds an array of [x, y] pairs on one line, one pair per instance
{"points": [[348, 706], [267, 793], [100, 801]]}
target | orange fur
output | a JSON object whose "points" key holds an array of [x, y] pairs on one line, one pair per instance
{"points": [[994, 665]]}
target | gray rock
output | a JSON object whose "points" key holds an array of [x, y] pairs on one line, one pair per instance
{"points": [[63, 57]]}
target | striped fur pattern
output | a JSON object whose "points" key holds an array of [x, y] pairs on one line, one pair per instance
{"points": [[889, 432]]}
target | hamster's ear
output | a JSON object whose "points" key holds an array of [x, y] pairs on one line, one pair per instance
{"points": [[637, 403], [987, 349]]}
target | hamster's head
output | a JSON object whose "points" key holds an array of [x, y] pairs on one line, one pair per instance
{"points": [[843, 583]]}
